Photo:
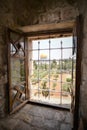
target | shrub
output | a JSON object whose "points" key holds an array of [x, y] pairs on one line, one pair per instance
{"points": [[45, 92], [68, 79], [54, 85], [65, 87]]}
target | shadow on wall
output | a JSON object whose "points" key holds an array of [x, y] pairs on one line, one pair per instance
{"points": [[83, 124]]}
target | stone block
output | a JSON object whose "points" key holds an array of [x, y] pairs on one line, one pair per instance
{"points": [[65, 127], [68, 118], [60, 116]]}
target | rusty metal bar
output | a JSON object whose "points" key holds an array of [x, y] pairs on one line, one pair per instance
{"points": [[61, 72], [38, 67], [49, 66]]}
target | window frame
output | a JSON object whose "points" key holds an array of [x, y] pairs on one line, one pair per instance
{"points": [[68, 31], [61, 91]]}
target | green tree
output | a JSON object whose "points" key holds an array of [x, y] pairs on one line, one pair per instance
{"points": [[35, 64], [67, 64], [45, 92], [53, 64], [45, 66], [54, 86], [67, 85], [69, 80]]}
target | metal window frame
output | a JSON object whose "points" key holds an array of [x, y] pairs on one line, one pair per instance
{"points": [[61, 48]]}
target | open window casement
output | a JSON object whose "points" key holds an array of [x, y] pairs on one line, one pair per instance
{"points": [[17, 70]]}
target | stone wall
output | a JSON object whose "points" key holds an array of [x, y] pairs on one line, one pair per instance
{"points": [[28, 12], [5, 21], [44, 11], [83, 88]]}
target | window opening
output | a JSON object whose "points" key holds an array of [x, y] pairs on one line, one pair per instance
{"points": [[52, 66]]}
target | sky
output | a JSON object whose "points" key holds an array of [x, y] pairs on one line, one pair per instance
{"points": [[54, 43]]}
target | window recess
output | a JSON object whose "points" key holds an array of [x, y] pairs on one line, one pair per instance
{"points": [[52, 69]]}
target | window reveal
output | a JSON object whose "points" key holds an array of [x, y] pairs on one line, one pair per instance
{"points": [[52, 70]]}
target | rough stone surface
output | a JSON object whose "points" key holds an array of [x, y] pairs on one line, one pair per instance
{"points": [[32, 117], [83, 88], [28, 12], [65, 127]]}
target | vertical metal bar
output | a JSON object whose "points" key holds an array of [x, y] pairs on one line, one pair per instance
{"points": [[61, 72], [30, 69], [38, 67], [49, 67], [72, 65]]}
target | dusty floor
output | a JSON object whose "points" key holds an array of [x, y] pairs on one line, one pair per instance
{"points": [[33, 117]]}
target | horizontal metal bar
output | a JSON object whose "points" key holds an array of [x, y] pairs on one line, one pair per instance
{"points": [[50, 60], [40, 79], [50, 90], [50, 49]]}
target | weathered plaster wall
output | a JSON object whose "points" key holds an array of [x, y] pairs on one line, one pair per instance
{"points": [[44, 11], [6, 19], [28, 12], [83, 89]]}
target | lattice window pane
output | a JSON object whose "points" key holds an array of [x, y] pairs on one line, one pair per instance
{"points": [[52, 71]]}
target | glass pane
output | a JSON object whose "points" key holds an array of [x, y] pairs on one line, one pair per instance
{"points": [[22, 70], [44, 55], [44, 44], [34, 78], [44, 65], [54, 75], [66, 87], [12, 49], [51, 70], [35, 44], [66, 65], [55, 98], [66, 42], [34, 65], [17, 48], [34, 83], [43, 75], [44, 95], [22, 44], [55, 86], [55, 54], [17, 80], [55, 43], [66, 99], [34, 94], [66, 77], [21, 52], [34, 55], [17, 71], [67, 53], [44, 85], [21, 47]]}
